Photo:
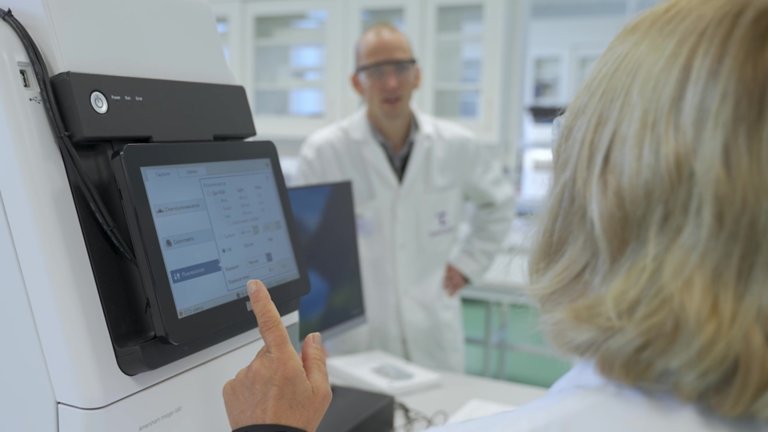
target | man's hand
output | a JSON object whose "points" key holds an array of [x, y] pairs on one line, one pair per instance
{"points": [[453, 280], [277, 387]]}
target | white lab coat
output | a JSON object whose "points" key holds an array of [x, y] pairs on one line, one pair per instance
{"points": [[583, 400], [408, 231]]}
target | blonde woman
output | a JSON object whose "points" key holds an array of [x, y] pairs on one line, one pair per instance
{"points": [[652, 263]]}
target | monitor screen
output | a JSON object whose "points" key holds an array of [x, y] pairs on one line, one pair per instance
{"points": [[324, 219], [219, 224]]}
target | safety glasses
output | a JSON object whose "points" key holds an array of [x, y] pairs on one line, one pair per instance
{"points": [[379, 71]]}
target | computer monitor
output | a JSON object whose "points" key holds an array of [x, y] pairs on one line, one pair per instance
{"points": [[326, 235]]}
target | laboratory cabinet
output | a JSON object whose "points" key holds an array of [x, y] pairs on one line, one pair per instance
{"points": [[295, 59], [291, 61], [462, 76], [565, 39]]}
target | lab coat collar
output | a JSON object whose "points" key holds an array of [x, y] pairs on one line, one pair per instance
{"points": [[358, 126], [421, 142], [359, 130], [361, 133], [584, 375], [426, 127]]}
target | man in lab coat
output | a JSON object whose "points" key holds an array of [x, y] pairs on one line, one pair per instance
{"points": [[412, 175]]}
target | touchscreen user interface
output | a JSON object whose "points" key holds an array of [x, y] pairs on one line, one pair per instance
{"points": [[218, 224]]}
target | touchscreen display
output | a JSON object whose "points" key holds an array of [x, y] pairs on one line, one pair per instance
{"points": [[219, 224]]}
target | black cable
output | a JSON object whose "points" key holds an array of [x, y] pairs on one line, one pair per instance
{"points": [[61, 136]]}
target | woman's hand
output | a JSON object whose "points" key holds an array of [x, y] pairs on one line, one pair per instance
{"points": [[277, 387]]}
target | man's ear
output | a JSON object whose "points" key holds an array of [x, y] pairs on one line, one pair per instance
{"points": [[356, 84], [417, 78]]}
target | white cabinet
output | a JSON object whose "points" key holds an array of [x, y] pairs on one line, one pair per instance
{"points": [[565, 39], [548, 80], [462, 73], [295, 59], [291, 64], [556, 76]]}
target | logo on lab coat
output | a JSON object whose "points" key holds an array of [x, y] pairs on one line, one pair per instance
{"points": [[442, 224]]}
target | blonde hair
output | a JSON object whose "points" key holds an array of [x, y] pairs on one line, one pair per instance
{"points": [[653, 253]]}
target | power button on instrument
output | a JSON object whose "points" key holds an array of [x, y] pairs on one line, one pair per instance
{"points": [[99, 102]]}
